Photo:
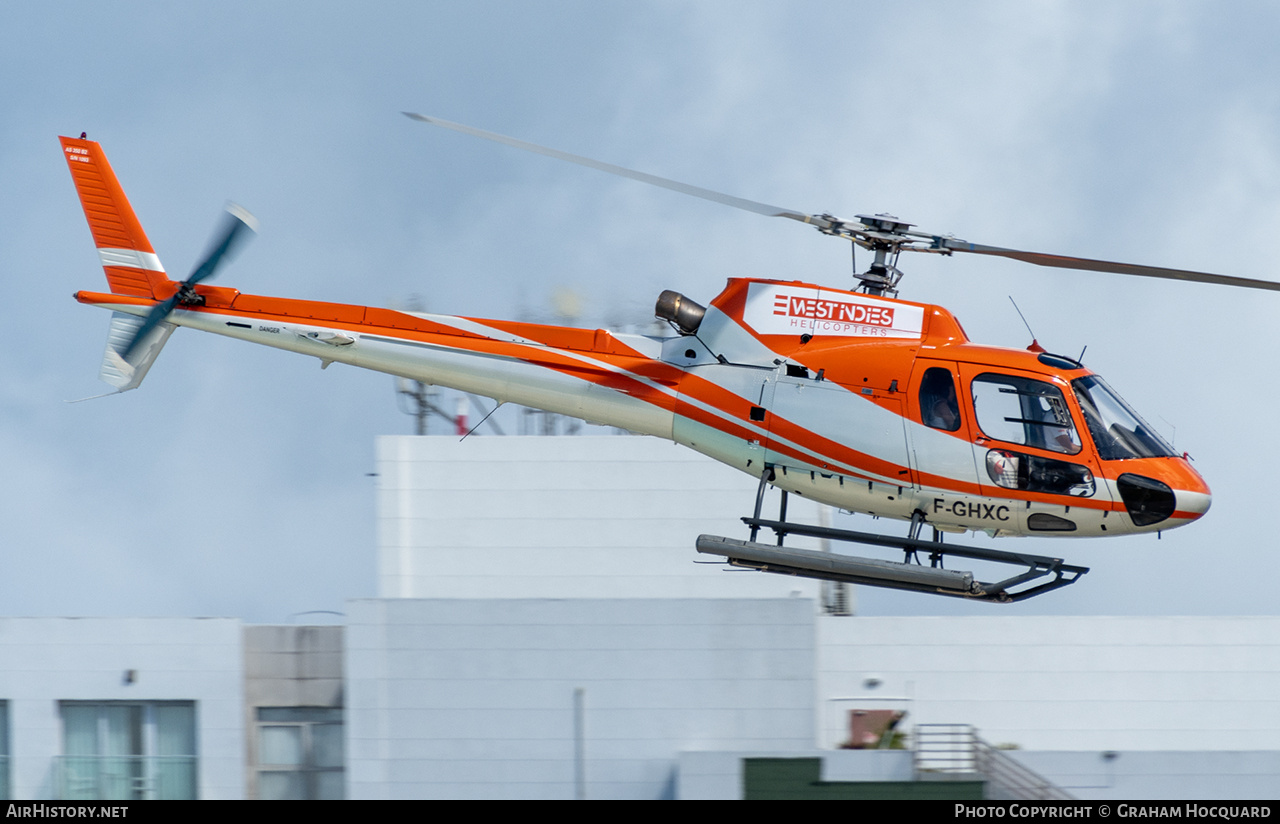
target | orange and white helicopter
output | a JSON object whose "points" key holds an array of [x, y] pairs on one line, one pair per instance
{"points": [[855, 399]]}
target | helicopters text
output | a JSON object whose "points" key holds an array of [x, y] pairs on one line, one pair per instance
{"points": [[855, 399]]}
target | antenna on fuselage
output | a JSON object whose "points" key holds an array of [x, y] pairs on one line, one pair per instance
{"points": [[1034, 345]]}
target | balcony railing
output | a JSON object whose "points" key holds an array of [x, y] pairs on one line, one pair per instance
{"points": [[125, 777], [954, 751]]}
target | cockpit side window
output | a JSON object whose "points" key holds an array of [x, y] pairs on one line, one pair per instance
{"points": [[1024, 411], [938, 405]]}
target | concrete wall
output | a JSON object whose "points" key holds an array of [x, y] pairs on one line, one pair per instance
{"points": [[1091, 776], [1191, 683], [1188, 776], [717, 776], [563, 517], [476, 699], [288, 666]]}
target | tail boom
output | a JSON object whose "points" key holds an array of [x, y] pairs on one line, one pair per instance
{"points": [[599, 377]]}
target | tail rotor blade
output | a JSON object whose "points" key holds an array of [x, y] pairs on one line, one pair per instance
{"points": [[237, 222], [154, 318]]}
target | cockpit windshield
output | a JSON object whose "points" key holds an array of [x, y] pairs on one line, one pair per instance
{"points": [[1117, 431]]}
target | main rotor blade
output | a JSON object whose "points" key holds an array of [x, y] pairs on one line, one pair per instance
{"points": [[1065, 262], [235, 223], [653, 180], [870, 235]]}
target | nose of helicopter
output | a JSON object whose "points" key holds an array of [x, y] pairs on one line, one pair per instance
{"points": [[1163, 493]]}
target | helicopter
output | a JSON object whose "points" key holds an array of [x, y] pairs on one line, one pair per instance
{"points": [[853, 398]]}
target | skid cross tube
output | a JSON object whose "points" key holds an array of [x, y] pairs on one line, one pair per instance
{"points": [[880, 573]]}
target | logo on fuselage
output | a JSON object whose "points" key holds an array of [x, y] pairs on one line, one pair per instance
{"points": [[796, 307], [774, 309]]}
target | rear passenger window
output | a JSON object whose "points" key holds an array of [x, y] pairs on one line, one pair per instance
{"points": [[938, 405]]}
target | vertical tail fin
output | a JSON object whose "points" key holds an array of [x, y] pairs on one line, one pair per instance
{"points": [[130, 263]]}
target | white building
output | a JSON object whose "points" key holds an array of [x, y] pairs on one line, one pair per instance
{"points": [[583, 519], [108, 707], [544, 629]]}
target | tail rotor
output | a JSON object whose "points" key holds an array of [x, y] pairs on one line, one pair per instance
{"points": [[237, 224]]}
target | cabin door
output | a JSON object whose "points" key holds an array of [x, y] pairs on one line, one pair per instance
{"points": [[821, 426]]}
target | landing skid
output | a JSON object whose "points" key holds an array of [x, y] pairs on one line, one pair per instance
{"points": [[910, 575]]}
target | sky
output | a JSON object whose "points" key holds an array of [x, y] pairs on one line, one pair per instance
{"points": [[236, 480]]}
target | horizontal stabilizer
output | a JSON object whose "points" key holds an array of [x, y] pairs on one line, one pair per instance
{"points": [[128, 374]]}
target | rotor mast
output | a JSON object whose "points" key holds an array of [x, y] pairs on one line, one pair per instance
{"points": [[884, 238]]}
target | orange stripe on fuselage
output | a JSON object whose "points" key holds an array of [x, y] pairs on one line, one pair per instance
{"points": [[734, 410]]}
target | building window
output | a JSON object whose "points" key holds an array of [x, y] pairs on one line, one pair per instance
{"points": [[300, 753], [124, 750]]}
